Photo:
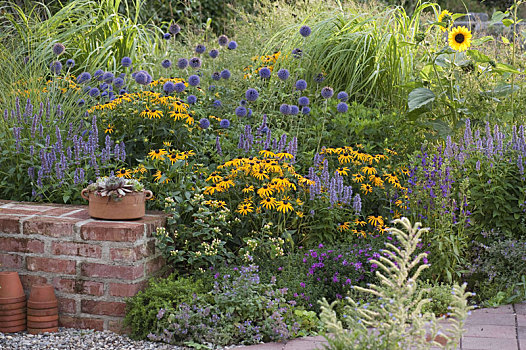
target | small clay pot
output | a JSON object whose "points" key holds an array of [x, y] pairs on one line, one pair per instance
{"points": [[43, 330], [42, 318], [13, 323], [41, 325], [42, 312], [43, 305], [42, 293], [11, 285], [128, 207], [13, 329], [4, 301], [13, 312], [14, 306], [15, 317]]}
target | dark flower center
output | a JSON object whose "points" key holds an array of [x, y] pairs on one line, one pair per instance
{"points": [[459, 38]]}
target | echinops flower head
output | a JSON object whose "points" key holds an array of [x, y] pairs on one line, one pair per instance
{"points": [[166, 63], [58, 49]]}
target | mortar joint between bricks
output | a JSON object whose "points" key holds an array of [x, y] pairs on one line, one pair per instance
{"points": [[77, 227], [21, 222]]}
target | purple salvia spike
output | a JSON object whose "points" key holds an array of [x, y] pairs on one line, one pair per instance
{"points": [[218, 146]]}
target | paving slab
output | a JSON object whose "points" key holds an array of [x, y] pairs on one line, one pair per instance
{"points": [[476, 343], [481, 317], [490, 331]]}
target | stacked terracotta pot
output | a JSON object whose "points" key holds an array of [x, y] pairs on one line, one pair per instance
{"points": [[12, 303], [42, 309]]}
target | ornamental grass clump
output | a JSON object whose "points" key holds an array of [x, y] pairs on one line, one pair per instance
{"points": [[396, 314]]}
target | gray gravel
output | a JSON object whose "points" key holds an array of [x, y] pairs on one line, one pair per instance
{"points": [[77, 339]]}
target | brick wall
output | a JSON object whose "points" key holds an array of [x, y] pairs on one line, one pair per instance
{"points": [[92, 264]]}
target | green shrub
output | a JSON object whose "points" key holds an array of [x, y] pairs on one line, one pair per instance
{"points": [[439, 295]]}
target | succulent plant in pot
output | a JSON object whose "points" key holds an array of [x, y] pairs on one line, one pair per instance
{"points": [[116, 198]]}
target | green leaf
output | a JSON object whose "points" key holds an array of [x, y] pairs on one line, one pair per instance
{"points": [[505, 68], [507, 22], [419, 98], [497, 17], [478, 56], [480, 41]]}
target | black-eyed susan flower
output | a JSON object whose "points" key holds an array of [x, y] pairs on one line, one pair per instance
{"points": [[214, 177], [159, 175], [284, 206], [343, 171], [265, 191], [244, 208], [140, 169], [360, 222], [226, 184], [392, 179], [268, 203], [459, 38], [150, 114], [285, 155], [368, 170], [167, 144], [248, 189], [157, 154], [345, 157], [172, 157], [445, 17], [124, 173], [376, 180], [267, 153], [366, 188], [210, 190], [109, 129], [404, 171], [375, 220], [358, 177], [344, 226], [260, 174]]}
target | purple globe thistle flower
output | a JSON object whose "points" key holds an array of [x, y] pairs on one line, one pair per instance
{"points": [[192, 99], [225, 74], [141, 78], [264, 73], [232, 45], [111, 95], [169, 87], [301, 85], [297, 53], [283, 74], [284, 108], [103, 86], [70, 63], [249, 113], [179, 87], [193, 80], [84, 77], [224, 123], [243, 102], [327, 92], [303, 101], [126, 61], [182, 63], [174, 29], [222, 40], [305, 110], [148, 78], [166, 63], [94, 92], [56, 67], [342, 107], [342, 96], [167, 36], [98, 74], [118, 82], [104, 94], [200, 48], [213, 53], [122, 75], [241, 111], [217, 103], [86, 89], [294, 110], [58, 49], [305, 31], [216, 76], [319, 78], [108, 77], [251, 94], [81, 102], [204, 123], [195, 62]]}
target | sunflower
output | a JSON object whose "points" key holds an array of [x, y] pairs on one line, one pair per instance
{"points": [[344, 227], [445, 17], [157, 154], [245, 208], [124, 173], [460, 38], [366, 188], [375, 220], [268, 203], [284, 206]]}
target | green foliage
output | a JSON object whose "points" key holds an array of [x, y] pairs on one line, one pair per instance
{"points": [[439, 295], [162, 293], [398, 315]]}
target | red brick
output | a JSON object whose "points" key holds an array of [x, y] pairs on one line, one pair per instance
{"points": [[126, 289], [11, 261], [67, 285], [48, 226], [51, 265], [19, 211], [111, 271], [67, 306], [81, 322], [25, 245], [31, 207], [76, 249], [29, 280], [154, 265], [10, 223], [109, 308], [63, 211], [153, 221], [83, 214], [112, 231], [132, 254], [118, 327]]}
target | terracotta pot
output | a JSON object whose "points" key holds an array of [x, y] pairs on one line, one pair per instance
{"points": [[13, 312], [14, 317], [14, 329], [14, 306], [128, 207], [43, 305], [42, 293], [42, 318], [10, 285], [4, 301], [42, 312], [45, 330], [42, 325], [13, 323]]}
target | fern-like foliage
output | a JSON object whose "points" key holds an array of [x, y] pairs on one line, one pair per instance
{"points": [[396, 320]]}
